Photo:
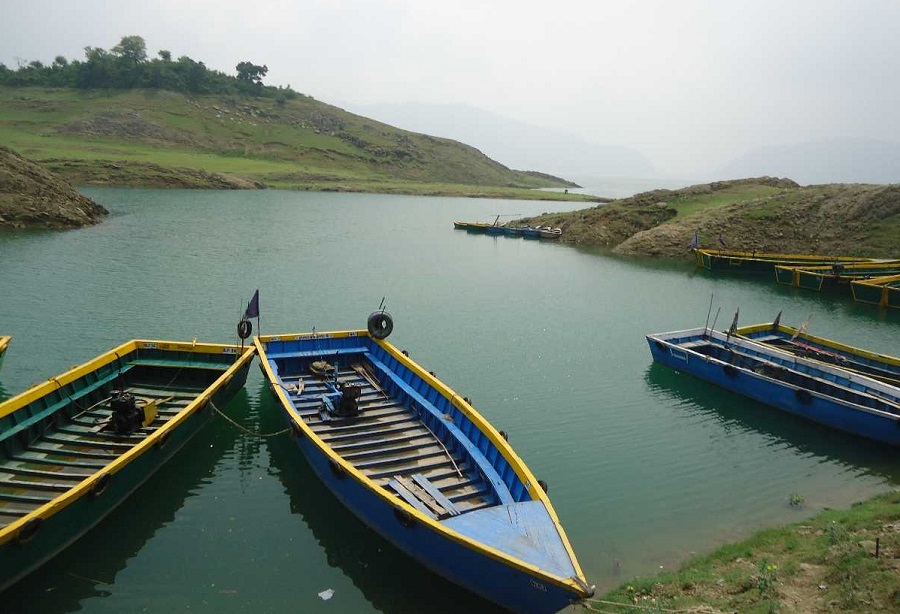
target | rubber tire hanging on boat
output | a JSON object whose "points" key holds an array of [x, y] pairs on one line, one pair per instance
{"points": [[27, 532], [403, 516], [804, 396], [380, 324], [504, 435], [337, 469], [244, 328], [100, 484], [544, 485]]}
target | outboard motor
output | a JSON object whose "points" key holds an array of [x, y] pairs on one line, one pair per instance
{"points": [[349, 403], [126, 417], [343, 402]]}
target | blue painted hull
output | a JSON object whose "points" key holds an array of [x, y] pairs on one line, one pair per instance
{"points": [[361, 457], [493, 580], [818, 408]]}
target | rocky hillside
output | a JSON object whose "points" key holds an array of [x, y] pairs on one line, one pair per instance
{"points": [[32, 197], [763, 214]]}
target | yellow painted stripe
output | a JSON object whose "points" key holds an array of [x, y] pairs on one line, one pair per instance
{"points": [[83, 488], [777, 257], [745, 331], [511, 457]]}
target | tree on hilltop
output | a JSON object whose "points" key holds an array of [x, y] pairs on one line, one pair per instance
{"points": [[251, 73]]}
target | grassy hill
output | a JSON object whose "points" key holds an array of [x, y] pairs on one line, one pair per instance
{"points": [[164, 138], [762, 214]]}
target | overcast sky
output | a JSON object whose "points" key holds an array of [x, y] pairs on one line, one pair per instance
{"points": [[691, 84]]}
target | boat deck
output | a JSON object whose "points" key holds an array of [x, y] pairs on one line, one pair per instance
{"points": [[390, 444], [55, 450]]}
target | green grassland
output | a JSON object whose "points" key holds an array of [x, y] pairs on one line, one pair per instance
{"points": [[296, 144], [839, 561]]}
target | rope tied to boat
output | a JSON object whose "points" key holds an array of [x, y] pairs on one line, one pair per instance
{"points": [[586, 604], [245, 429]]}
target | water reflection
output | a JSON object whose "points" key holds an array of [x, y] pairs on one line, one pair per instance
{"points": [[88, 568], [391, 581], [732, 410]]}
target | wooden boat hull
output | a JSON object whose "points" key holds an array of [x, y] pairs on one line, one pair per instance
{"points": [[495, 230], [881, 291], [834, 276], [4, 343], [462, 547], [530, 232], [880, 366], [761, 263], [84, 487], [676, 350]]}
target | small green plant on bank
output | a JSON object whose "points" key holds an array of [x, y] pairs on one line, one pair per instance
{"points": [[797, 500], [768, 575]]}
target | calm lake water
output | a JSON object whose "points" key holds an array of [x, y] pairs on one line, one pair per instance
{"points": [[645, 466]]}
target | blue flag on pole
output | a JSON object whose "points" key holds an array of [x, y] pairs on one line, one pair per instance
{"points": [[253, 306]]}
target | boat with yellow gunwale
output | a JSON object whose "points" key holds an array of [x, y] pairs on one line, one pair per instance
{"points": [[74, 447], [882, 291], [761, 262], [834, 275], [420, 466]]}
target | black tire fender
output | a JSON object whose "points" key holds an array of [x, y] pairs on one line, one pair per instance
{"points": [[380, 324]]}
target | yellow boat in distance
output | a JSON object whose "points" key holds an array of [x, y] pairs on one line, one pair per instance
{"points": [[76, 446], [761, 262], [4, 343], [881, 291], [835, 274]]}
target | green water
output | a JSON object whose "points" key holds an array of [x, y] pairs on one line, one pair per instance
{"points": [[645, 466]]}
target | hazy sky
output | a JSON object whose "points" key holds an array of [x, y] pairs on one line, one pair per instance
{"points": [[691, 84]]}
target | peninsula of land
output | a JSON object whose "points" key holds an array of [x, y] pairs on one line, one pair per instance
{"points": [[763, 214]]}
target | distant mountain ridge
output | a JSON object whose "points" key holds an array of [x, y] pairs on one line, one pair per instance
{"points": [[837, 160], [515, 144]]}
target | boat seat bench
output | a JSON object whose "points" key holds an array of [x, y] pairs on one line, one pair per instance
{"points": [[67, 400], [474, 452]]}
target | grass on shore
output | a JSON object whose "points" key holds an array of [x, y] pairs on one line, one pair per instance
{"points": [[826, 564]]}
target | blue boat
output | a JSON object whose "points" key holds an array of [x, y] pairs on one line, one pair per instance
{"points": [[827, 394], [77, 445], [531, 232], [514, 231], [418, 464], [798, 341]]}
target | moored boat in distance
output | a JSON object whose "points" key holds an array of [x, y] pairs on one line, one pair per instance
{"points": [[797, 341], [74, 447], [827, 394], [834, 275], [421, 467], [531, 232], [461, 225], [882, 291], [760, 262], [546, 232], [4, 343], [514, 231]]}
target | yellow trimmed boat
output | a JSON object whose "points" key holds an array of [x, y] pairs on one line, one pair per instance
{"points": [[882, 367], [760, 262], [832, 275], [882, 291], [4, 343], [75, 446], [420, 466]]}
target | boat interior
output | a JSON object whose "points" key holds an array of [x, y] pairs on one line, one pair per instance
{"points": [[52, 443], [390, 436]]}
